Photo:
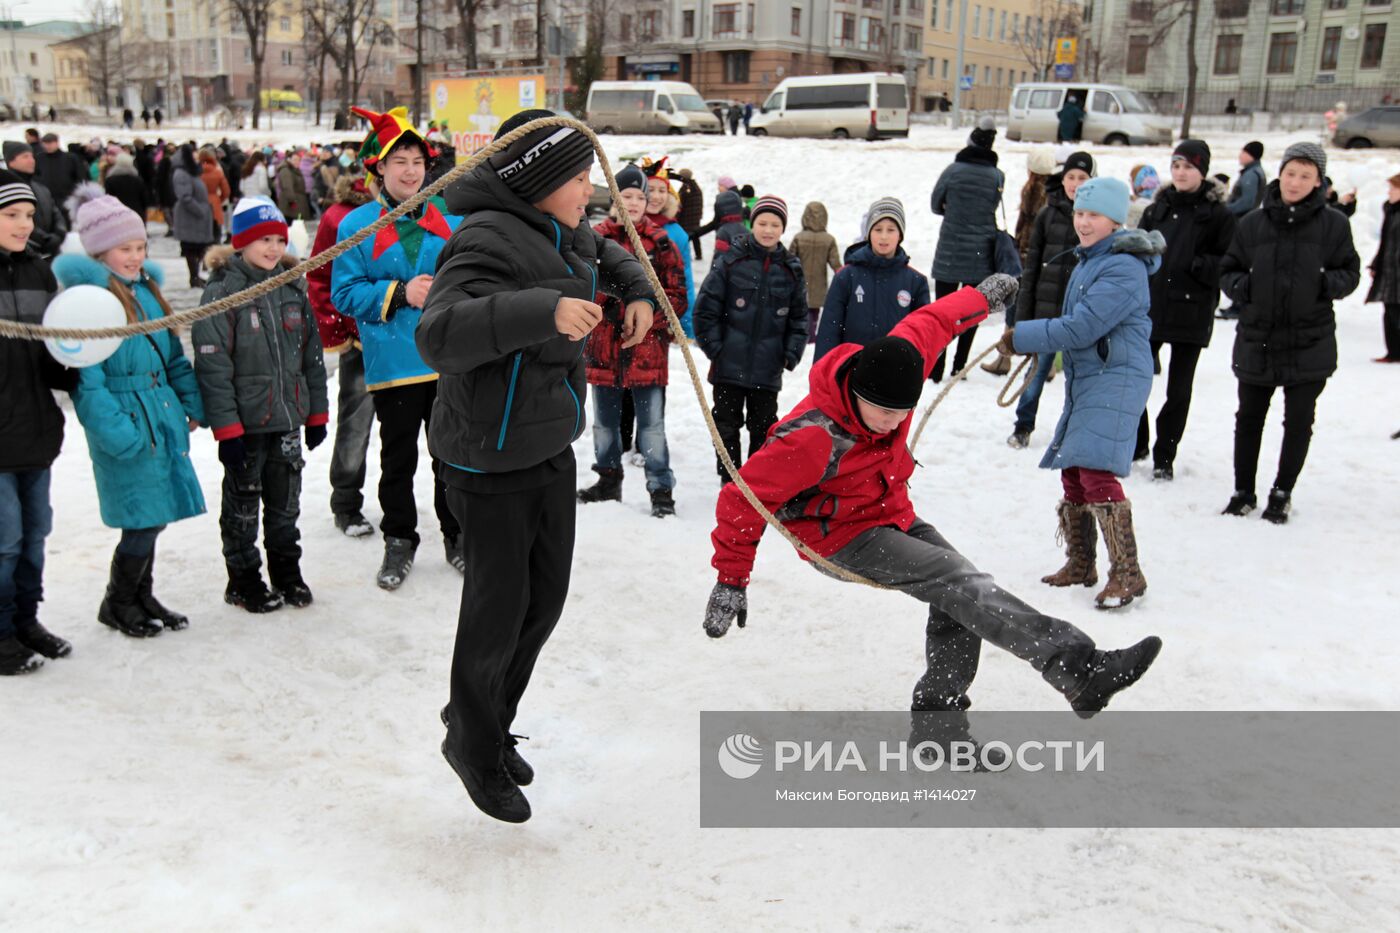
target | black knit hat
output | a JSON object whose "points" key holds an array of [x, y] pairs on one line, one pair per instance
{"points": [[536, 165], [985, 135], [1082, 161], [1195, 152], [13, 190], [12, 148], [1255, 149], [889, 373], [631, 177]]}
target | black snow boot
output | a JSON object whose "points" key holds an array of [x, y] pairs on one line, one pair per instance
{"points": [[172, 620], [121, 608], [662, 504], [353, 524], [247, 590], [398, 561], [493, 791], [40, 640], [16, 658], [1277, 509], [285, 576], [607, 489], [1111, 671]]}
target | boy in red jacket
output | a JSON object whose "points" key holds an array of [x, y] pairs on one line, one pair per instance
{"points": [[836, 470]]}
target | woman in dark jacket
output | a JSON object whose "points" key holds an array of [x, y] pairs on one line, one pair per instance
{"points": [[1385, 274], [1191, 214], [124, 183], [191, 218], [966, 197], [1049, 260], [1288, 262]]}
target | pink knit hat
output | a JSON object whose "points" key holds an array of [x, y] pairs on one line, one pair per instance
{"points": [[106, 222]]}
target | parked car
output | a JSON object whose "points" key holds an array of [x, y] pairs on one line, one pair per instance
{"points": [[1113, 115], [1379, 126], [648, 107], [873, 105]]}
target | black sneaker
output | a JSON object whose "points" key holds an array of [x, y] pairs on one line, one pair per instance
{"points": [[353, 524], [1019, 440], [41, 641], [1163, 473], [517, 767], [662, 504], [398, 561], [493, 792], [1111, 671], [248, 591], [16, 658], [453, 547], [1277, 509], [1241, 503]]}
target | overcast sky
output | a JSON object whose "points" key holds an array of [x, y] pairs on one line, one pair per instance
{"points": [[33, 11]]}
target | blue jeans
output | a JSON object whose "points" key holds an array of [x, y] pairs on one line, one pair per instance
{"points": [[26, 518], [1029, 402], [651, 432]]}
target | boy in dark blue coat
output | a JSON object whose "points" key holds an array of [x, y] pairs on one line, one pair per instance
{"points": [[876, 288], [751, 322]]}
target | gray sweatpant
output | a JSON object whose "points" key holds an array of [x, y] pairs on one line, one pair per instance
{"points": [[965, 607]]}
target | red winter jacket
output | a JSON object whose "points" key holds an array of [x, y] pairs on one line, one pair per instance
{"points": [[821, 471], [646, 363], [337, 331]]}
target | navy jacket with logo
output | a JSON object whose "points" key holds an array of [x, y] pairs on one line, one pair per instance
{"points": [[868, 297], [751, 315]]}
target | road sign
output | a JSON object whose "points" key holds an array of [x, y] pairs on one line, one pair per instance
{"points": [[1064, 72], [1065, 51], [965, 83]]}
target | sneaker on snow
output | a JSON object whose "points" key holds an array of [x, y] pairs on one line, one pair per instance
{"points": [[398, 561], [1241, 503], [1163, 473], [40, 640], [1019, 440], [493, 792], [1112, 671], [453, 547], [1277, 509], [353, 524], [517, 767], [16, 658]]}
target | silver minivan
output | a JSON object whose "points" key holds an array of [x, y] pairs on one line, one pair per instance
{"points": [[1113, 115], [648, 107]]}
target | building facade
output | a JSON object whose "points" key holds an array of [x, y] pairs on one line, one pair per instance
{"points": [[27, 73], [1007, 42], [1271, 55]]}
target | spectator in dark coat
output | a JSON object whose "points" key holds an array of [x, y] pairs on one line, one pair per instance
{"points": [[1248, 192], [1385, 274], [692, 208], [736, 113], [124, 183], [1287, 263], [1191, 214], [1071, 117], [58, 170], [726, 183], [966, 197], [191, 218], [49, 225], [730, 208]]}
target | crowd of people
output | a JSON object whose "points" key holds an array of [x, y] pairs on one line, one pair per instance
{"points": [[486, 316]]}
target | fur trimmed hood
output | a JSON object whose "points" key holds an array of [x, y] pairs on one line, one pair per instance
{"points": [[79, 269]]}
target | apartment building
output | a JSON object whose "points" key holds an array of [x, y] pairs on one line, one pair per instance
{"points": [[1006, 42]]}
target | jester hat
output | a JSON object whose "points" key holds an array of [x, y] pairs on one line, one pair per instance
{"points": [[386, 131]]}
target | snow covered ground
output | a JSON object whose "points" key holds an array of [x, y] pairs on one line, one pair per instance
{"points": [[282, 772]]}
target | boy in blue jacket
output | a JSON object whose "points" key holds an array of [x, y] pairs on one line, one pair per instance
{"points": [[876, 288]]}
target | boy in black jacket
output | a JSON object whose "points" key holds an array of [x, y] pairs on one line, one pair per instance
{"points": [[514, 296]]}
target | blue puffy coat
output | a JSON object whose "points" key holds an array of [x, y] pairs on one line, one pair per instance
{"points": [[868, 297], [682, 241], [1104, 333], [135, 408], [751, 315]]}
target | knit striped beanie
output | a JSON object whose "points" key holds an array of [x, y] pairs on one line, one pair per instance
{"points": [[885, 209], [13, 190], [772, 204], [255, 218], [538, 164]]}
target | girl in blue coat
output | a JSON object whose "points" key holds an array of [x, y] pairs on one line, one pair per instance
{"points": [[138, 409], [1104, 333], [875, 289]]}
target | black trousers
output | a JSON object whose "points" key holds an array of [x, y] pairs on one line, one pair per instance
{"points": [[269, 476], [964, 347], [519, 549], [730, 416], [1390, 323], [1299, 408], [1171, 420], [402, 411]]}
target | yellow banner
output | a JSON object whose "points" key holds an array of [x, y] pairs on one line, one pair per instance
{"points": [[473, 109], [1066, 51]]}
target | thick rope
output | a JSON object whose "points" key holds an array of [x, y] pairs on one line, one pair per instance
{"points": [[1002, 400]]}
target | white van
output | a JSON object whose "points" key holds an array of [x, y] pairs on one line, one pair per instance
{"points": [[648, 107], [873, 105], [1113, 115]]}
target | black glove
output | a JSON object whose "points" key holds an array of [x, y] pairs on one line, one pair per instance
{"points": [[315, 434], [233, 452], [1000, 290], [726, 603]]}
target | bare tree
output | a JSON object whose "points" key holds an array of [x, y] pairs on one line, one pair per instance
{"points": [[1165, 16], [355, 28], [317, 39], [1048, 21], [468, 12], [102, 48], [253, 16]]}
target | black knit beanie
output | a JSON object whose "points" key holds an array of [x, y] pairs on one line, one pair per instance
{"points": [[1082, 161], [631, 177], [1195, 152], [889, 373], [1255, 149], [536, 165], [985, 134]]}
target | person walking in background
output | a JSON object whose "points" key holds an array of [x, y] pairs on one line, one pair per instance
{"points": [[217, 187], [125, 184], [255, 182], [191, 218], [1385, 273], [725, 183], [291, 190], [736, 113], [692, 210], [1246, 195], [748, 115], [1071, 117], [1040, 165], [816, 249]]}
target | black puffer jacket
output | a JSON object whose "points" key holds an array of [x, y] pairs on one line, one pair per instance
{"points": [[31, 424], [1049, 259], [966, 197], [1286, 265], [1186, 290], [1385, 268], [512, 387], [751, 315]]}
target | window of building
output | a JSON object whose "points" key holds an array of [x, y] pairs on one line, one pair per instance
{"points": [[998, 77], [496, 36], [748, 21], [624, 27], [1232, 9], [1378, 2], [247, 54], [287, 57], [1015, 27], [1283, 50], [1001, 33], [896, 8], [933, 13], [1141, 11], [1227, 55], [976, 22], [1137, 54], [913, 39], [1331, 46], [285, 23], [846, 28], [1286, 8], [933, 67], [726, 23], [916, 7], [1336, 4], [736, 67], [523, 32], [945, 69], [987, 74], [650, 25], [948, 16], [797, 21], [1373, 47]]}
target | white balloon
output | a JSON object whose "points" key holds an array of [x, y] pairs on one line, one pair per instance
{"points": [[84, 306]]}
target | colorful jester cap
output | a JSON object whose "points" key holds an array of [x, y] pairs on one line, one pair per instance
{"points": [[386, 131]]}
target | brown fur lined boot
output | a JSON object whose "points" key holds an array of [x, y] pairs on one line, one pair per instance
{"points": [[1080, 541], [1125, 579]]}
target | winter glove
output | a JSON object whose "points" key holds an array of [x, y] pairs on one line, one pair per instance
{"points": [[233, 452], [726, 603], [1000, 291], [315, 434]]}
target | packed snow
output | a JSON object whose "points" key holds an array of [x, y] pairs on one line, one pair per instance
{"points": [[283, 772]]}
